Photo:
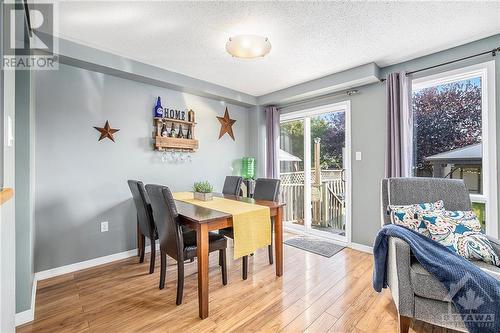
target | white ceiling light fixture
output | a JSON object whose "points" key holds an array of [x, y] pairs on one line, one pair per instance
{"points": [[248, 46]]}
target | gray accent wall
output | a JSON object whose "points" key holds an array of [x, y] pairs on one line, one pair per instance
{"points": [[81, 182], [257, 138], [368, 126], [24, 135]]}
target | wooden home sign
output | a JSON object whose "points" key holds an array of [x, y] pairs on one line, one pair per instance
{"points": [[174, 114], [172, 130]]}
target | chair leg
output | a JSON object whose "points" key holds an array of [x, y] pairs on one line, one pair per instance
{"points": [[153, 256], [270, 252], [139, 245], [404, 324], [142, 249], [163, 269], [180, 281], [270, 247], [222, 262], [245, 267]]}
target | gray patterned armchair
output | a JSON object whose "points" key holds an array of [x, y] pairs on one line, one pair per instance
{"points": [[416, 293]]}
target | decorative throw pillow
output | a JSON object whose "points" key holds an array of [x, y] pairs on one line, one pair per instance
{"points": [[421, 207], [465, 217], [407, 215], [460, 238]]}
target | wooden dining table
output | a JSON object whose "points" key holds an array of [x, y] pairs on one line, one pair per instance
{"points": [[203, 220]]}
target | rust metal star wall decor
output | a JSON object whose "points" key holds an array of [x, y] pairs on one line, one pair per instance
{"points": [[226, 125], [106, 131]]}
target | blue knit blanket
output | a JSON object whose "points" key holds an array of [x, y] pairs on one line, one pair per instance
{"points": [[475, 294]]}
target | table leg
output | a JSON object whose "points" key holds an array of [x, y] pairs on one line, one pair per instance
{"points": [[202, 253], [278, 241]]}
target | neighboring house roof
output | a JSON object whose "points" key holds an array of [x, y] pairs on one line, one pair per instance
{"points": [[468, 153], [284, 156]]}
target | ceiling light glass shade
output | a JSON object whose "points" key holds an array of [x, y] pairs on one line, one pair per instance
{"points": [[248, 46]]}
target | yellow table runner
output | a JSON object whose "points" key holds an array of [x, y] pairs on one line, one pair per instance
{"points": [[251, 222]]}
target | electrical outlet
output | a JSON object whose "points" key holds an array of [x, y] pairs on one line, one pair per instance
{"points": [[358, 156], [104, 226]]}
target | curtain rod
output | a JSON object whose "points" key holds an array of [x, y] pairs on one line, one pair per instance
{"points": [[492, 52], [349, 92]]}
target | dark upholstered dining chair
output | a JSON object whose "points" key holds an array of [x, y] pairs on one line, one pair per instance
{"points": [[176, 241], [265, 189], [145, 220], [232, 185]]}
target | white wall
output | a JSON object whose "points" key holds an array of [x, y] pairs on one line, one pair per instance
{"points": [[7, 218], [81, 182]]}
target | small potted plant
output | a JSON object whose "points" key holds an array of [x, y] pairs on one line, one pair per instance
{"points": [[203, 191]]}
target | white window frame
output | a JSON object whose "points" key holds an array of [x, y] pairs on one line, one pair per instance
{"points": [[305, 115], [486, 71]]}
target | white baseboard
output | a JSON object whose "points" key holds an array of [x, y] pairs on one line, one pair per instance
{"points": [[361, 247], [28, 315], [25, 317], [88, 264], [340, 240]]}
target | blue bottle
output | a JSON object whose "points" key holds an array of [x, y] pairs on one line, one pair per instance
{"points": [[158, 110]]}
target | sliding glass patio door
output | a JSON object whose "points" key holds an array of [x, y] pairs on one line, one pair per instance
{"points": [[292, 170], [328, 172], [314, 170]]}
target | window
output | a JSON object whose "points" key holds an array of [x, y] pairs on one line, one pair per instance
{"points": [[454, 133]]}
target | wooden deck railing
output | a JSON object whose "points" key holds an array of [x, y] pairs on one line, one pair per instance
{"points": [[328, 203], [293, 196]]}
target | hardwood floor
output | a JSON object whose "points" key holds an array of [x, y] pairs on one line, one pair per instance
{"points": [[316, 294]]}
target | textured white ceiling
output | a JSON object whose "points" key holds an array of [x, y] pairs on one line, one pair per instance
{"points": [[309, 39]]}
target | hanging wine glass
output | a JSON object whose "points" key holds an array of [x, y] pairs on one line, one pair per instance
{"points": [[164, 156]]}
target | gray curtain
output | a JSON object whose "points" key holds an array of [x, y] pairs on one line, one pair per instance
{"points": [[273, 144], [398, 144]]}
